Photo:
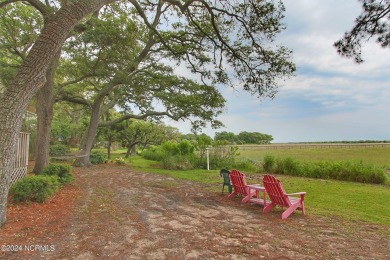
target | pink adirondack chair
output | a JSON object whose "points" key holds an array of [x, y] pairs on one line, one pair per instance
{"points": [[278, 196], [240, 187]]}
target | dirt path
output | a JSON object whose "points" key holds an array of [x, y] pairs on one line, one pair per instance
{"points": [[123, 214]]}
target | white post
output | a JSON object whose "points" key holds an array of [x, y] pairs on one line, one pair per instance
{"points": [[208, 160]]}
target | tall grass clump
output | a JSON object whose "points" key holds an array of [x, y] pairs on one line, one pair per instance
{"points": [[269, 163], [337, 170], [247, 165], [289, 166]]}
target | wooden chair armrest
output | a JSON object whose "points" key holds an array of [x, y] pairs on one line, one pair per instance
{"points": [[296, 194]]}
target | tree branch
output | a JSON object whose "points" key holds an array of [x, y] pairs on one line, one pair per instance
{"points": [[132, 116], [43, 9], [75, 100], [150, 26], [5, 3], [75, 80]]}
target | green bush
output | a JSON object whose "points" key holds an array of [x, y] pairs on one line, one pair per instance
{"points": [[177, 162], [153, 153], [34, 188], [186, 147], [62, 171], [247, 165], [59, 150], [170, 148], [182, 155], [269, 163], [290, 166], [97, 157]]}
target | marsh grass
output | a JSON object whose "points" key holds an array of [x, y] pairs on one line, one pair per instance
{"points": [[336, 170], [371, 155]]}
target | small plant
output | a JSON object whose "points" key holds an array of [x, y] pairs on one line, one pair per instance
{"points": [[34, 188], [62, 171], [120, 160], [177, 163], [97, 157], [59, 150]]}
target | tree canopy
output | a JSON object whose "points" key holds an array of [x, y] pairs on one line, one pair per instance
{"points": [[372, 22], [225, 42]]}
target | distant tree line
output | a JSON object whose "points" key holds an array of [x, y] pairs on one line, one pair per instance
{"points": [[244, 137]]}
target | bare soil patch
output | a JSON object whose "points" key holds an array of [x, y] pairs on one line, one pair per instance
{"points": [[115, 212]]}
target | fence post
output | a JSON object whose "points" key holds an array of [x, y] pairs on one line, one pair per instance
{"points": [[208, 159]]}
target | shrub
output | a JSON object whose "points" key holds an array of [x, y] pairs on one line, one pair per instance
{"points": [[170, 148], [62, 171], [59, 150], [119, 160], [153, 153], [247, 165], [34, 188], [97, 157], [182, 155], [177, 163], [185, 147], [292, 166], [269, 163]]}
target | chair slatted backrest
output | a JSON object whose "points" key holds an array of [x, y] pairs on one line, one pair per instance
{"points": [[275, 191], [225, 174], [238, 181]]}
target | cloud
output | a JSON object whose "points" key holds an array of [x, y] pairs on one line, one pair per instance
{"points": [[331, 98]]}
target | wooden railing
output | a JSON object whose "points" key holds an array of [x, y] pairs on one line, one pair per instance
{"points": [[21, 160]]}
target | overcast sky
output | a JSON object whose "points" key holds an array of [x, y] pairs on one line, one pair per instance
{"points": [[331, 98]]}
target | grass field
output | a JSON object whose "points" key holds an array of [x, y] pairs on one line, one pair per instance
{"points": [[372, 155], [353, 201]]}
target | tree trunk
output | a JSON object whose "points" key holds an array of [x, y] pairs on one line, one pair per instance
{"points": [[128, 151], [131, 149], [134, 150], [30, 77], [86, 147], [109, 148], [45, 107]]}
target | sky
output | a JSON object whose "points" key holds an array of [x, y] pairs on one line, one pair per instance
{"points": [[331, 98]]}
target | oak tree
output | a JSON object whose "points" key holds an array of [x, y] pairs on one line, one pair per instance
{"points": [[236, 36]]}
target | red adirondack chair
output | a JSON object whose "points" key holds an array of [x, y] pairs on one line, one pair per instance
{"points": [[240, 187], [278, 196]]}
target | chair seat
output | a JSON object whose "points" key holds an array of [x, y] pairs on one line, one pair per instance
{"points": [[294, 200]]}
